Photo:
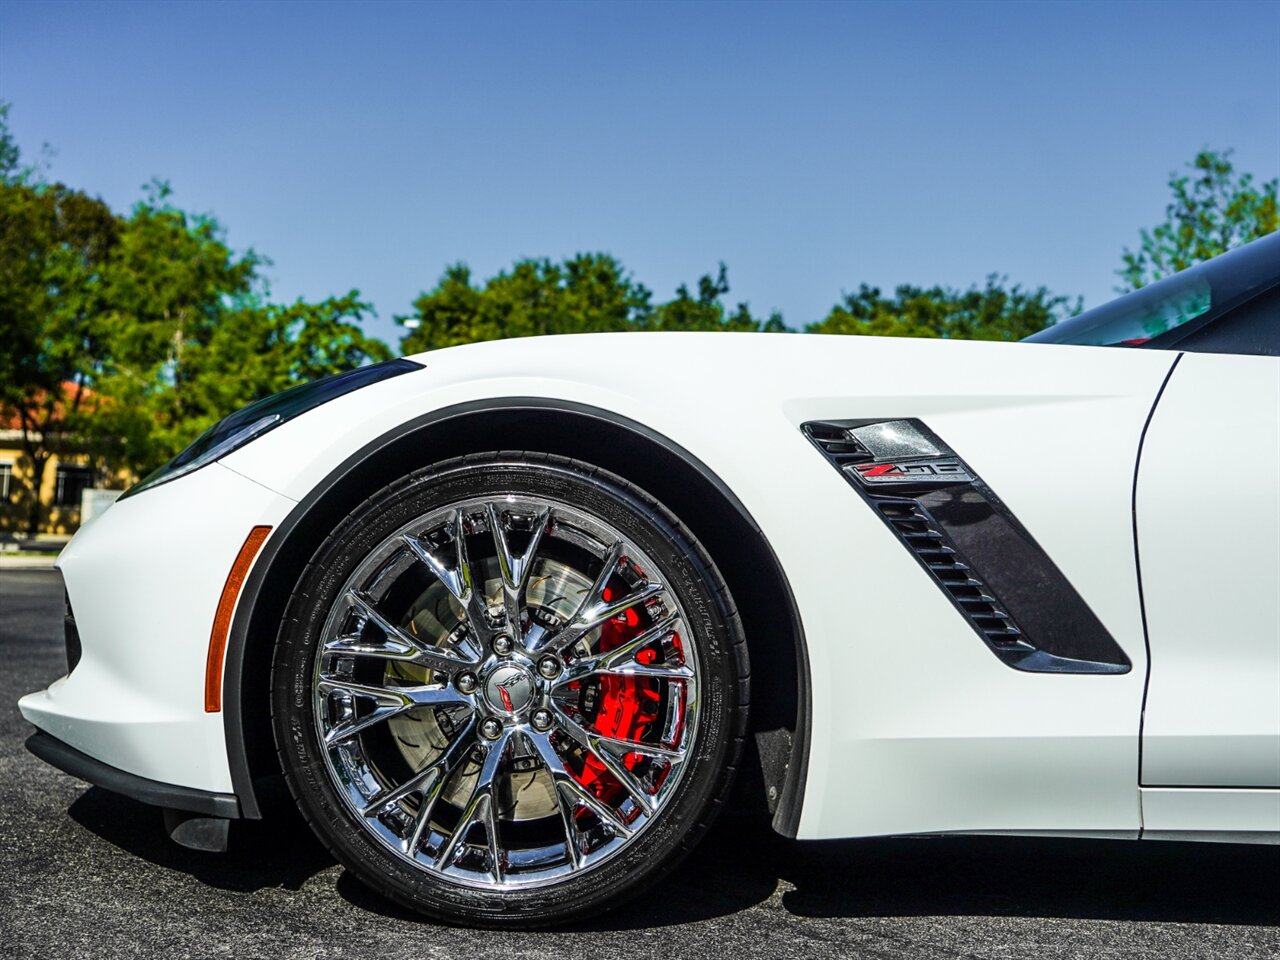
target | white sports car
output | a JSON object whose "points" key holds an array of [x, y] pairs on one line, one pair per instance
{"points": [[507, 618]]}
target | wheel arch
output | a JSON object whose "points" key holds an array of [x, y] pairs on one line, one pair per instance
{"points": [[780, 708]]}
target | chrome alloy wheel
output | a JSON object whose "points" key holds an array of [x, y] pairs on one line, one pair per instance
{"points": [[502, 694]]}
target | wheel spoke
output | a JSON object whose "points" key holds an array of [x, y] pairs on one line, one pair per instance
{"points": [[573, 844], [515, 569], [489, 818], [422, 819], [602, 748], [602, 610], [407, 697], [454, 578], [551, 762], [571, 631], [430, 780], [595, 609], [457, 579], [384, 696], [398, 643], [570, 792], [392, 701], [349, 728], [473, 601], [622, 659], [478, 809], [617, 745], [573, 791], [655, 671]]}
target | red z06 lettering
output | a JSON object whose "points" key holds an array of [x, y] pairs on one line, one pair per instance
{"points": [[880, 470]]}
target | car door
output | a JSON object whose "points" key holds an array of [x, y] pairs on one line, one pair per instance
{"points": [[1207, 522]]}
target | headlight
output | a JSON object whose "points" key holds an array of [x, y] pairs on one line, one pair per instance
{"points": [[257, 418]]}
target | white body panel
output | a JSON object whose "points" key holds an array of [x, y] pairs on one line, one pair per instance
{"points": [[1208, 516], [1251, 816], [146, 576], [916, 725]]}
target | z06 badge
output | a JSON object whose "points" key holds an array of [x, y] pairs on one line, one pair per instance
{"points": [[916, 471]]}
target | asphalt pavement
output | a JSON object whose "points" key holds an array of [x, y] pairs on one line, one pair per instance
{"points": [[86, 873]]}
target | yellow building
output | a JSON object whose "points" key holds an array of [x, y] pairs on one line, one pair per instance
{"points": [[66, 477], [64, 480]]}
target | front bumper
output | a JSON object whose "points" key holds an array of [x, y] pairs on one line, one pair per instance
{"points": [[70, 760], [144, 580]]}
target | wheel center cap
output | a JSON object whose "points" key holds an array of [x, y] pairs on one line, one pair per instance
{"points": [[509, 689]]}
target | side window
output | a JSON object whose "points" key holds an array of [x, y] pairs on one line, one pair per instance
{"points": [[69, 483], [1253, 328], [7, 483]]}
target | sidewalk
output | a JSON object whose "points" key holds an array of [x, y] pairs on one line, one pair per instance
{"points": [[30, 553], [27, 561]]}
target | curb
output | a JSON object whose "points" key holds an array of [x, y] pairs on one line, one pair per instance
{"points": [[27, 563]]}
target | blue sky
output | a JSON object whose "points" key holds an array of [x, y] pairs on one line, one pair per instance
{"points": [[809, 146]]}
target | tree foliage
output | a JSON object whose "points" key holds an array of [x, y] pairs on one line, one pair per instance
{"points": [[10, 155], [1213, 210], [995, 311], [12, 169], [128, 335], [56, 245], [192, 335], [708, 312], [587, 293]]}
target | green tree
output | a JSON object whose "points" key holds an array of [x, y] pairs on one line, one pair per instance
{"points": [[12, 170], [128, 336], [587, 293], [1213, 209], [10, 155], [189, 335], [707, 310], [995, 311], [55, 244]]}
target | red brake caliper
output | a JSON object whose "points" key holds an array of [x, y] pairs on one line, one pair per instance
{"points": [[628, 707]]}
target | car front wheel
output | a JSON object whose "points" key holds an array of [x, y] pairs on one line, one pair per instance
{"points": [[510, 689]]}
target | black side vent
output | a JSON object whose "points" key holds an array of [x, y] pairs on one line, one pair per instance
{"points": [[980, 556], [935, 550], [837, 443]]}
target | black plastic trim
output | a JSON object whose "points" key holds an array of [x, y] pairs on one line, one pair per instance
{"points": [[70, 633], [974, 549], [791, 798], [786, 816], [233, 431], [70, 760]]}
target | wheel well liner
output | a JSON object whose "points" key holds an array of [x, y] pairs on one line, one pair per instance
{"points": [[775, 638]]}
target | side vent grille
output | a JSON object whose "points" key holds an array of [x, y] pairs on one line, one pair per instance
{"points": [[924, 537], [838, 444], [1019, 602]]}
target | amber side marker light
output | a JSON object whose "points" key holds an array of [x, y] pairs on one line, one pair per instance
{"points": [[222, 619]]}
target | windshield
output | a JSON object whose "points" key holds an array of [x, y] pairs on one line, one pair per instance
{"points": [[1168, 310]]}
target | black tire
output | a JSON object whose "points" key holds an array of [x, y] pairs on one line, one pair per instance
{"points": [[711, 624]]}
